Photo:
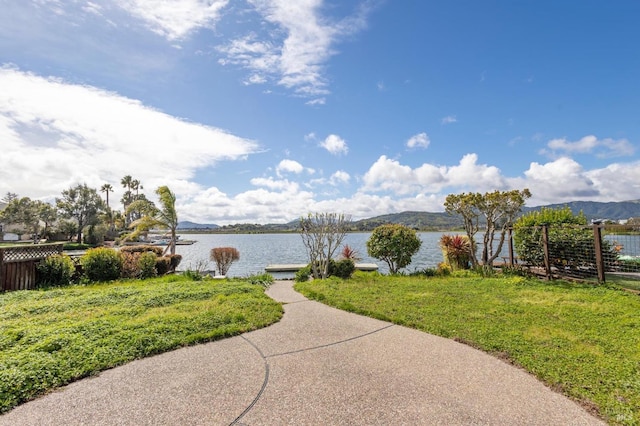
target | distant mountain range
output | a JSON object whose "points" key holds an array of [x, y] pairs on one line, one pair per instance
{"points": [[426, 221], [192, 225]]}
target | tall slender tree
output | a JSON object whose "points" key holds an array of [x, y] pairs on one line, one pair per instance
{"points": [[106, 188]]}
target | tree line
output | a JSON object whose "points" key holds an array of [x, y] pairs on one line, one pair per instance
{"points": [[81, 213]]}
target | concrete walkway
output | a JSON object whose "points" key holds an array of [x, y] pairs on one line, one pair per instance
{"points": [[318, 366]]}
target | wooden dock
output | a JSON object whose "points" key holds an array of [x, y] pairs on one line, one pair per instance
{"points": [[295, 267]]}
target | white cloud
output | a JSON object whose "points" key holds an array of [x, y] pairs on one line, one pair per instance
{"points": [[335, 145], [272, 205], [317, 101], [175, 19], [282, 185], [449, 119], [300, 43], [339, 177], [55, 134], [416, 189], [292, 166], [589, 144], [421, 140], [618, 181], [564, 180], [561, 180], [390, 176]]}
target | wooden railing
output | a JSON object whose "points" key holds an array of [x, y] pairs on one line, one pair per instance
{"points": [[18, 264]]}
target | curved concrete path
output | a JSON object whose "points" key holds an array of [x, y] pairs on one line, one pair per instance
{"points": [[317, 366]]}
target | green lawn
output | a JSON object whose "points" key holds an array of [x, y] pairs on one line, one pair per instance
{"points": [[51, 337], [582, 340]]}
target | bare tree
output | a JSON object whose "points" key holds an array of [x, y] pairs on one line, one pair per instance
{"points": [[322, 234]]}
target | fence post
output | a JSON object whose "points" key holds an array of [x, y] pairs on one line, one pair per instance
{"points": [[597, 244], [545, 247]]}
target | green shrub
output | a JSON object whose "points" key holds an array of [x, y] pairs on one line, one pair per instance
{"points": [[394, 244], [343, 268], [426, 272], [101, 264], [55, 270], [264, 280], [570, 240], [147, 265], [303, 274], [192, 275], [94, 234]]}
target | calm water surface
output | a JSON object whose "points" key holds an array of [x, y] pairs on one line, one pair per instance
{"points": [[259, 250]]}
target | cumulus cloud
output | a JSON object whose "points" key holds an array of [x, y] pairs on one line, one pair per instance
{"points": [[275, 204], [291, 166], [389, 175], [335, 145], [56, 134], [421, 140], [295, 50], [338, 178], [589, 144]]}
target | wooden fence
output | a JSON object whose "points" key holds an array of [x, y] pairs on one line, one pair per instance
{"points": [[18, 264]]}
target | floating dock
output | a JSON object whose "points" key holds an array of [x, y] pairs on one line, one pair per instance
{"points": [[295, 267]]}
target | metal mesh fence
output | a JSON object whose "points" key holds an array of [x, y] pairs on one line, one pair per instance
{"points": [[581, 252], [625, 241]]}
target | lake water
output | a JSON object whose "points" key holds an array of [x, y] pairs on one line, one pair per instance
{"points": [[259, 250]]}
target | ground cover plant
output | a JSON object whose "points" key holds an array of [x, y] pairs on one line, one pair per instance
{"points": [[51, 337], [580, 339]]}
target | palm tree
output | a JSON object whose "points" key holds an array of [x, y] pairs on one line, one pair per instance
{"points": [[165, 217], [136, 185], [127, 197], [106, 188], [127, 182]]}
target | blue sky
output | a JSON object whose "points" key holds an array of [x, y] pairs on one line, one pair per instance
{"points": [[265, 110]]}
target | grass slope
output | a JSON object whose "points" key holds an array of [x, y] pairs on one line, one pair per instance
{"points": [[49, 338], [579, 339]]}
